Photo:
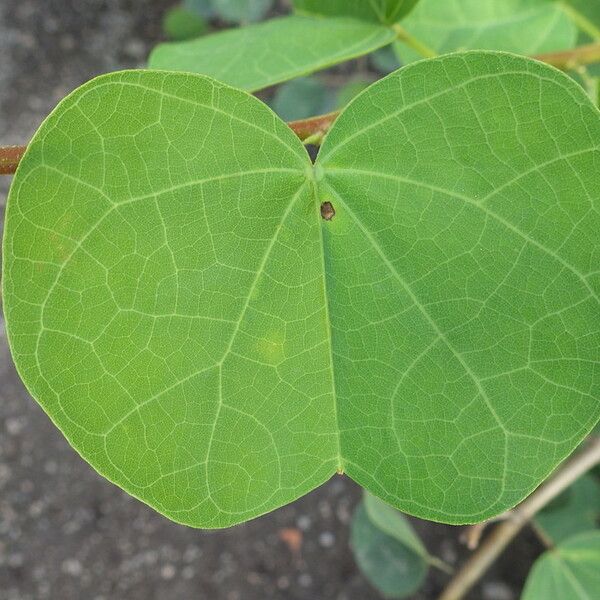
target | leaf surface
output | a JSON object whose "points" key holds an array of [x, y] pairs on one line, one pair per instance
{"points": [[463, 282], [261, 55], [208, 342], [382, 11], [570, 571], [522, 26], [393, 523], [391, 566]]}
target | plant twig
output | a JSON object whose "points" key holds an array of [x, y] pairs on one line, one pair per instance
{"points": [[412, 42], [314, 128], [571, 59], [504, 533], [9, 158], [582, 22]]}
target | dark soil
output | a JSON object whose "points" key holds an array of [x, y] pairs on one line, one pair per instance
{"points": [[66, 533]]}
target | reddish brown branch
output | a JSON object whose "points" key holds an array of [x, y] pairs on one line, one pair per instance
{"points": [[571, 59], [9, 158], [316, 127]]}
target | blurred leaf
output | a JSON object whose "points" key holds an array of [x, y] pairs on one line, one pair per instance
{"points": [[577, 510], [183, 24], [393, 523], [590, 11], [569, 572], [242, 11], [202, 7], [301, 98], [261, 55], [383, 11], [385, 60], [390, 565], [520, 26], [349, 91]]}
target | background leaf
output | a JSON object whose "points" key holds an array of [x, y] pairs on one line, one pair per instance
{"points": [[383, 11], [258, 56], [242, 11], [393, 523], [202, 7], [521, 26], [302, 98], [572, 571], [183, 24], [576, 511], [390, 566], [349, 91]]}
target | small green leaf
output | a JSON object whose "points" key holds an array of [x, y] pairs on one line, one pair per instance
{"points": [[258, 56], [382, 11], [577, 511], [301, 98], [586, 15], [393, 523], [183, 24], [349, 91], [385, 60], [242, 11], [202, 7], [390, 565], [569, 572], [218, 325], [521, 26]]}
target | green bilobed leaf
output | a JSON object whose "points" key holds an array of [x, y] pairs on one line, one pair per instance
{"points": [[521, 26], [571, 571], [242, 11], [258, 56], [393, 523], [463, 281], [382, 11], [391, 566], [577, 511], [207, 341]]}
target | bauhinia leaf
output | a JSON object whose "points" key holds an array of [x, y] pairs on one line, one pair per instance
{"points": [[576, 511], [382, 11], [258, 56], [572, 570], [522, 26], [393, 523], [390, 565], [218, 326]]}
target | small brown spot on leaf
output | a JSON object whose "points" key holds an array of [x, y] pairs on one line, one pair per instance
{"points": [[327, 211]]}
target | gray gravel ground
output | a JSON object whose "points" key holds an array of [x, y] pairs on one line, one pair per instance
{"points": [[65, 533]]}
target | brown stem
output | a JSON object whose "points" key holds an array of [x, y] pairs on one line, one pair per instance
{"points": [[571, 59], [9, 158], [504, 533], [315, 127]]}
